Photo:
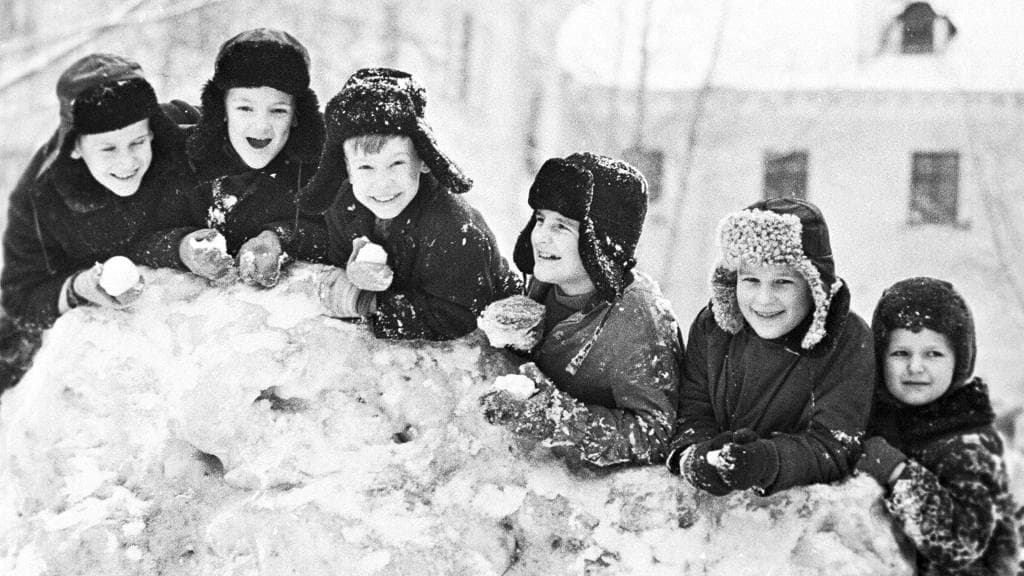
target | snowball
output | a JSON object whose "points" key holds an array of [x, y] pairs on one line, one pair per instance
{"points": [[118, 276], [714, 457], [512, 322], [519, 386], [373, 253]]}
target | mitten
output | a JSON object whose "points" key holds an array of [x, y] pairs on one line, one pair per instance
{"points": [[698, 471], [203, 253], [368, 273], [260, 259], [748, 461], [500, 407], [880, 460], [339, 295], [84, 287]]}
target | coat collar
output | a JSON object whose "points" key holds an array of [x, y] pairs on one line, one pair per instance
{"points": [[964, 408]]}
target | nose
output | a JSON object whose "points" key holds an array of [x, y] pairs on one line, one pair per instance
{"points": [[765, 293], [914, 364], [262, 125], [127, 160], [541, 233]]}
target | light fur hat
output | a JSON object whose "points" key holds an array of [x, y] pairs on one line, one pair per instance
{"points": [[786, 231]]}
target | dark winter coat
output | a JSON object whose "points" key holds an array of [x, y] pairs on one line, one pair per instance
{"points": [[240, 202], [617, 365], [64, 221], [952, 499], [445, 259], [812, 404]]}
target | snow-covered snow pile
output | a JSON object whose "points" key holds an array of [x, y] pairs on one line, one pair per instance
{"points": [[236, 431]]}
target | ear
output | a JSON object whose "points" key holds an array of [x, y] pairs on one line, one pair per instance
{"points": [[425, 169]]}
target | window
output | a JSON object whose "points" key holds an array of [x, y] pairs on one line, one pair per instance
{"points": [[785, 174], [934, 187], [651, 163], [918, 22]]}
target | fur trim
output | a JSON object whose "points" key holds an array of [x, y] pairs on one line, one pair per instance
{"points": [[263, 57], [112, 106], [761, 238]]}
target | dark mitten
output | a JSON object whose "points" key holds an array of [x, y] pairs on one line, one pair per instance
{"points": [[698, 471], [880, 459], [748, 461]]}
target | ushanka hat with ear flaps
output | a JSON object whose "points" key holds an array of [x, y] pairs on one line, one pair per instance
{"points": [[100, 93], [923, 302], [609, 199], [377, 101], [252, 59], [786, 231]]}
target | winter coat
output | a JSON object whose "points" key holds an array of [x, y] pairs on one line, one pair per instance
{"points": [[445, 259], [240, 202], [63, 221], [952, 499], [812, 404], [616, 366]]}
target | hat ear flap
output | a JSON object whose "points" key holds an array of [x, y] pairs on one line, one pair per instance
{"points": [[522, 255]]}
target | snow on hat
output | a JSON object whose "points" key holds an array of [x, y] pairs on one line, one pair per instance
{"points": [[251, 59], [99, 93], [380, 101], [924, 302], [609, 199], [786, 231]]}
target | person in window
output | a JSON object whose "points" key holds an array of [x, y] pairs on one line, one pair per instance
{"points": [[779, 371], [414, 258], [606, 367], [110, 182], [933, 446], [256, 145]]}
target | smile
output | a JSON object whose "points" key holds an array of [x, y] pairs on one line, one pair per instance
{"points": [[258, 143], [768, 315], [129, 176], [385, 199], [915, 383], [546, 256]]}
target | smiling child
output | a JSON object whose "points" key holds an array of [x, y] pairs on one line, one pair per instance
{"points": [[779, 371], [933, 446]]}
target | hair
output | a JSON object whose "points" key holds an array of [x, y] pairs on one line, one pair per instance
{"points": [[372, 143]]}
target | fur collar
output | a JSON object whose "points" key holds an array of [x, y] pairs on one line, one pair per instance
{"points": [[961, 409]]}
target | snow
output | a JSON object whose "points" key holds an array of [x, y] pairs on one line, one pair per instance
{"points": [[235, 431]]}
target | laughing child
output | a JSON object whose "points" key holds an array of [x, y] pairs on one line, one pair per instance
{"points": [[932, 446]]}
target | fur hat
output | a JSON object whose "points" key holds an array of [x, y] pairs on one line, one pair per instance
{"points": [[377, 101], [923, 302], [609, 199], [99, 93], [254, 58], [786, 231]]}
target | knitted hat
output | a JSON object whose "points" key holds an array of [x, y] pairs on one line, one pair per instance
{"points": [[99, 93], [254, 58], [923, 302], [786, 231], [609, 199], [377, 101]]}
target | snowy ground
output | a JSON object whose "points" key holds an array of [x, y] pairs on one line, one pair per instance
{"points": [[236, 432]]}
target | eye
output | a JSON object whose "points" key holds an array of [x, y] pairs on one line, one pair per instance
{"points": [[538, 217], [243, 108], [108, 149], [784, 281], [364, 167], [399, 163], [898, 354], [280, 111], [749, 279], [936, 354]]}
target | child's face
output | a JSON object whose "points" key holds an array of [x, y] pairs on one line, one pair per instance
{"points": [[259, 122], [773, 298], [918, 366], [385, 181], [556, 253], [118, 159]]}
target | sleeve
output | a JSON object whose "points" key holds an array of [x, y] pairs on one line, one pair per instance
{"points": [[454, 279], [696, 421], [303, 238], [950, 517], [35, 264], [176, 217], [836, 418]]}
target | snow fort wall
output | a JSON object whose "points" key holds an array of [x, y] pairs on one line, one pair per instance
{"points": [[236, 431]]}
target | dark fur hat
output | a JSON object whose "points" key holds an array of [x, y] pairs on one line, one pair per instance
{"points": [[377, 101], [778, 231], [924, 302], [609, 199], [254, 58]]}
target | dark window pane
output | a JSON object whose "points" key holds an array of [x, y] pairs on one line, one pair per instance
{"points": [[934, 187], [918, 28]]}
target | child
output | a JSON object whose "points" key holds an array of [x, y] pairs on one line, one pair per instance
{"points": [[256, 145], [932, 444], [104, 185], [382, 179], [607, 365], [778, 375]]}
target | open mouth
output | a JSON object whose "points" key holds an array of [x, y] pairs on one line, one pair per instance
{"points": [[258, 143], [385, 199], [547, 256]]}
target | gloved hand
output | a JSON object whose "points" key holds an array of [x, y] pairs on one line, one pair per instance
{"points": [[880, 460], [524, 417], [696, 469], [85, 288], [339, 295], [372, 276], [203, 254], [748, 461], [260, 258]]}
